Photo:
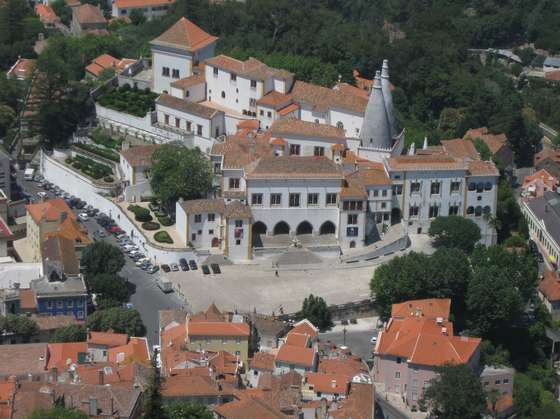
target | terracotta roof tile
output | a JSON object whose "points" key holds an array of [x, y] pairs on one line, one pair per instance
{"points": [[218, 329], [237, 209], [305, 167], [275, 100], [108, 339], [342, 366], [288, 109], [190, 386], [426, 162], [55, 322], [89, 14], [61, 355], [239, 151], [328, 383], [542, 176], [460, 148], [185, 35], [186, 106], [358, 405], [297, 339], [46, 14], [23, 68], [7, 392], [352, 90], [250, 68], [189, 81], [296, 355], [140, 156], [50, 210], [62, 250], [550, 286], [248, 407], [482, 168], [494, 141], [197, 206], [125, 4], [552, 75], [136, 350], [27, 300], [305, 327], [297, 127], [262, 361], [322, 98], [431, 308]]}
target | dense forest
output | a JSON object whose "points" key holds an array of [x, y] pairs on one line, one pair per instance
{"points": [[440, 90]]}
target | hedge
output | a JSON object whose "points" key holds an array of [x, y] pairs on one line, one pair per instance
{"points": [[91, 167], [140, 213], [132, 101], [163, 237], [165, 221], [150, 225], [102, 152], [98, 136]]}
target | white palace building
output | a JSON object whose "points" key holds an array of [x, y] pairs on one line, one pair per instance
{"points": [[294, 160]]}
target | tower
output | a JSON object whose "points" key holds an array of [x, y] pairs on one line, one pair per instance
{"points": [[376, 129], [388, 97]]}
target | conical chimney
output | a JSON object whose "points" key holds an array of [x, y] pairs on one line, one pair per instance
{"points": [[388, 97], [376, 131]]}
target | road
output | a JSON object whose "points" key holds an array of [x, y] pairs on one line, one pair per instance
{"points": [[146, 297], [357, 338]]}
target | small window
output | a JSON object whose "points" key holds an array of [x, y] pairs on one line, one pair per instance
{"points": [[198, 218], [253, 84], [198, 129], [252, 104], [234, 183], [237, 242], [165, 71], [177, 123], [470, 210], [340, 125], [319, 151], [275, 199], [256, 199], [189, 126], [397, 375], [434, 211], [352, 219], [487, 186], [269, 114], [166, 119], [479, 187], [59, 304], [210, 232], [262, 112], [384, 192], [294, 200], [455, 187], [233, 77], [351, 231], [193, 237], [175, 73], [376, 193], [215, 72], [331, 199], [415, 187], [223, 94], [238, 223], [211, 216], [70, 304], [472, 186], [312, 198], [295, 149], [434, 188]]}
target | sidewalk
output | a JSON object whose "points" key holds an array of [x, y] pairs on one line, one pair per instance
{"points": [[396, 402]]}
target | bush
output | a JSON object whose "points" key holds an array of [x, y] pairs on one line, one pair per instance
{"points": [[140, 213], [149, 225], [163, 237], [68, 160], [108, 179], [165, 221], [99, 136], [101, 152]]}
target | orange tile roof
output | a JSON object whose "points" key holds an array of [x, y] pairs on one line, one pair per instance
{"points": [[296, 355], [46, 14], [140, 156], [425, 162], [136, 350], [352, 90], [275, 100], [7, 392], [105, 61], [288, 109], [547, 153], [494, 141], [552, 75], [322, 98], [61, 355], [422, 341], [298, 167], [109, 339], [126, 4], [250, 68], [238, 151], [27, 299], [297, 127], [542, 175], [342, 366], [305, 327], [431, 308], [88, 14], [358, 405], [105, 373], [482, 168], [353, 188], [248, 407], [71, 229], [195, 328], [262, 361], [278, 141], [22, 69], [550, 286], [460, 148], [189, 81], [50, 210], [185, 35], [328, 383], [192, 385], [297, 339]]}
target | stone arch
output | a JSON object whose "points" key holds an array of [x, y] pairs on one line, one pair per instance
{"points": [[259, 228], [352, 244], [305, 227], [327, 228], [281, 227]]}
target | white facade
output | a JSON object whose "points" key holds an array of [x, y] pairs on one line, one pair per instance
{"points": [[149, 11], [190, 123]]}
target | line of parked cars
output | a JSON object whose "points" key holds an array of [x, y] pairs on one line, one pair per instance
{"points": [[140, 260], [183, 264]]}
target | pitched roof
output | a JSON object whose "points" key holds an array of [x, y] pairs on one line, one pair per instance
{"points": [[195, 328], [297, 339], [71, 229], [62, 355], [50, 210], [542, 176], [425, 162], [482, 168], [460, 148], [197, 206], [186, 106], [297, 127], [430, 308], [23, 359], [248, 407], [296, 355], [105, 61], [550, 286], [109, 339], [322, 98], [237, 209], [552, 75], [262, 361], [189, 81], [185, 35], [7, 392], [494, 141], [305, 167], [358, 405], [140, 156], [328, 383], [61, 250], [353, 90], [88, 14], [22, 69], [192, 385], [46, 14], [275, 100], [250, 68], [125, 4], [305, 327], [348, 366], [136, 350], [239, 151]]}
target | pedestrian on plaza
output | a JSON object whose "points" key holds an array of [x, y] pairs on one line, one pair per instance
{"points": [[276, 273]]}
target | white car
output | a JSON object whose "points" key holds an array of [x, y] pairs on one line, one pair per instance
{"points": [[373, 340], [42, 194], [83, 216]]}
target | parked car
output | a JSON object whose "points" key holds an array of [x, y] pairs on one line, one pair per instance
{"points": [[193, 265], [184, 264], [80, 204], [215, 268], [83, 216], [42, 194], [116, 230], [174, 267], [153, 269], [205, 269], [101, 233], [165, 268]]}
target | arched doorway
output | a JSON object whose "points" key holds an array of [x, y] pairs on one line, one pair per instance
{"points": [[215, 242], [327, 228], [281, 228], [352, 244], [304, 227], [259, 228]]}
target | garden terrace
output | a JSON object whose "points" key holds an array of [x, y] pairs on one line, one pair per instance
{"points": [[91, 168], [99, 151], [129, 100]]}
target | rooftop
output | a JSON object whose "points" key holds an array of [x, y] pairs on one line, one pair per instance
{"points": [[23, 359], [199, 328], [189, 81], [482, 168], [109, 339], [296, 355], [460, 148], [61, 250], [88, 14], [50, 210], [46, 14], [494, 141], [297, 127], [550, 286], [425, 162], [22, 69], [307, 167], [186, 36], [186, 106], [429, 308], [125, 4], [547, 209], [71, 286], [322, 98], [250, 68], [192, 385], [328, 383], [140, 156], [249, 407]]}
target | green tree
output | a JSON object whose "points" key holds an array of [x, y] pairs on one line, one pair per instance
{"points": [[108, 287], [19, 325], [7, 118], [188, 410], [179, 172], [153, 405], [72, 333], [456, 394], [454, 231], [120, 320], [315, 310], [102, 258], [483, 149], [62, 10], [137, 17], [57, 413]]}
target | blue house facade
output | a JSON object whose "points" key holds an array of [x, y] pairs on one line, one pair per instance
{"points": [[64, 297]]}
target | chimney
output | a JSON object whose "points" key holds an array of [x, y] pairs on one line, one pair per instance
{"points": [[425, 145], [29, 377], [333, 383], [412, 149], [444, 331], [92, 406], [101, 377]]}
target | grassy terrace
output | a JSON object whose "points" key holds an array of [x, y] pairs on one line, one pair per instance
{"points": [[132, 101]]}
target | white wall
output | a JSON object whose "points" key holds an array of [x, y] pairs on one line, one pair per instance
{"points": [[178, 60], [352, 122], [308, 144], [149, 12], [238, 248], [199, 232]]}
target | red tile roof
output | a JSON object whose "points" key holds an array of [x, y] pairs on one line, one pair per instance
{"points": [[46, 14], [195, 328], [140, 156], [328, 383], [249, 407], [297, 339], [358, 405], [296, 355], [193, 385], [305, 327], [297, 127], [262, 361], [482, 168], [7, 392], [550, 286], [22, 69], [136, 350], [62, 355], [543, 176], [50, 210], [185, 35], [460, 148], [108, 339], [89, 14], [431, 308], [494, 141]]}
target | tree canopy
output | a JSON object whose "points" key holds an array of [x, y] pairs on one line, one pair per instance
{"points": [[315, 310], [57, 413], [454, 231], [188, 410], [179, 172], [456, 394], [19, 325], [72, 333], [120, 320], [102, 258]]}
